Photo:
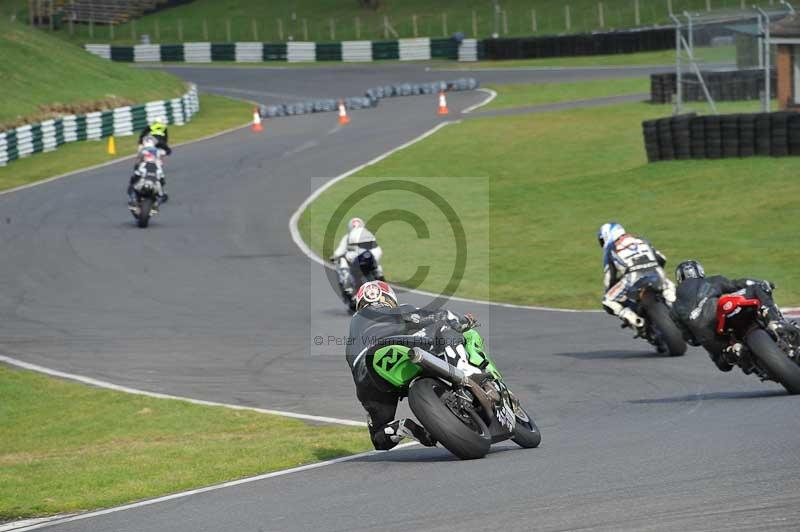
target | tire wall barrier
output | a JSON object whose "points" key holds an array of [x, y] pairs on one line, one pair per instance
{"points": [[122, 121], [722, 136], [607, 43], [292, 52], [724, 86], [371, 97]]}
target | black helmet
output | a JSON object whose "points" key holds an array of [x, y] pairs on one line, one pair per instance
{"points": [[689, 269]]}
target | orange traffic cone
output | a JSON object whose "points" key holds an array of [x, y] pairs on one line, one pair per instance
{"points": [[343, 118], [443, 104], [257, 127]]}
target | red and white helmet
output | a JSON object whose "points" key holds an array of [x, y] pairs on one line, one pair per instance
{"points": [[355, 222], [376, 293]]}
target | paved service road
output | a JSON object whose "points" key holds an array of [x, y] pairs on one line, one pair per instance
{"points": [[212, 302]]}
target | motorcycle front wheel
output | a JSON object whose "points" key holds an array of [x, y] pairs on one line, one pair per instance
{"points": [[456, 426], [526, 433]]}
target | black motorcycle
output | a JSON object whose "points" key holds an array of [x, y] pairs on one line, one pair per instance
{"points": [[647, 296], [147, 189], [771, 354], [362, 270]]}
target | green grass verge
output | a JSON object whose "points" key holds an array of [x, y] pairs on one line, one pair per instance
{"points": [[39, 74], [722, 54], [233, 20], [216, 114], [67, 447], [524, 94], [552, 180]]}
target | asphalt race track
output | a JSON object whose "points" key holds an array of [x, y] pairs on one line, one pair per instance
{"points": [[212, 302]]}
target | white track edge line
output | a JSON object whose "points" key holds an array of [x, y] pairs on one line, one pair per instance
{"points": [[66, 519], [295, 218], [134, 391], [492, 95], [300, 243]]}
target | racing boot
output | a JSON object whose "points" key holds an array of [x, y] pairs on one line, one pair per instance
{"points": [[722, 358], [668, 291], [131, 195], [408, 428], [163, 197]]}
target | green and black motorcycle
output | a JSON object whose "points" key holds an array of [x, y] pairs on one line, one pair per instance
{"points": [[455, 391]]}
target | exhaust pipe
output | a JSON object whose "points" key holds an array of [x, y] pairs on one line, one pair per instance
{"points": [[438, 367], [452, 374]]}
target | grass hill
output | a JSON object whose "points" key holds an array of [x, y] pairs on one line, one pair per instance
{"points": [[42, 76], [332, 20]]}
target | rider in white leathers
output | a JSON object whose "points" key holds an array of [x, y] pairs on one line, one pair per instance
{"points": [[357, 240], [625, 259]]}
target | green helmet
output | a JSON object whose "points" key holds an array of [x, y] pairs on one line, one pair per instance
{"points": [[158, 129]]}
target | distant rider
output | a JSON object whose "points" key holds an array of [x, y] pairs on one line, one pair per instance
{"points": [[379, 321], [625, 259], [154, 136], [357, 240], [695, 307]]}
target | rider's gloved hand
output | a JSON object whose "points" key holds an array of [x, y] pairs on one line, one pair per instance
{"points": [[468, 322]]}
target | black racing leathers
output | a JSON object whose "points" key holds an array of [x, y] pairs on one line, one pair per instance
{"points": [[695, 309], [371, 329]]}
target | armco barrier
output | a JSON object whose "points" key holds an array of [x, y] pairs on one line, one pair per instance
{"points": [[48, 135], [722, 136], [726, 85]]}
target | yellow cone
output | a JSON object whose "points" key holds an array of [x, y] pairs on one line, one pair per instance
{"points": [[112, 146]]}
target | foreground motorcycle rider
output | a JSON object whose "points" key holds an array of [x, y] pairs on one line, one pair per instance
{"points": [[357, 240], [626, 258], [378, 317], [695, 307]]}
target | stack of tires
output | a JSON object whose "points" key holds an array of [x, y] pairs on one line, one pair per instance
{"points": [[729, 132], [697, 139], [747, 135], [726, 86], [762, 134], [662, 87], [651, 145], [725, 136], [793, 129], [713, 134], [779, 135], [681, 136]]}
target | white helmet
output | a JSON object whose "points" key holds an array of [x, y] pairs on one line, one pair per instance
{"points": [[609, 232], [355, 222]]}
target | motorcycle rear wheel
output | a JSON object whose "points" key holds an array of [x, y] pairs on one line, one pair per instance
{"points": [[460, 430], [144, 212], [658, 313], [776, 362]]}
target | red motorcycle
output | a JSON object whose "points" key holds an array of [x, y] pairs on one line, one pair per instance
{"points": [[754, 347]]}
